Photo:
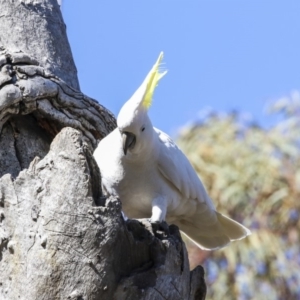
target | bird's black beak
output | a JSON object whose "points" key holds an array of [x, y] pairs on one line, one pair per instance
{"points": [[129, 140]]}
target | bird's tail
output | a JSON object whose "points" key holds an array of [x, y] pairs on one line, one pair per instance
{"points": [[215, 235]]}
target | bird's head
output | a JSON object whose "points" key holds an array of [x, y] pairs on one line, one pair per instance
{"points": [[133, 121]]}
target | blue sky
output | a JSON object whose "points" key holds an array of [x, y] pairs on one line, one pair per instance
{"points": [[227, 55]]}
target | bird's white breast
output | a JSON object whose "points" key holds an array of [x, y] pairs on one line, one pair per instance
{"points": [[135, 183]]}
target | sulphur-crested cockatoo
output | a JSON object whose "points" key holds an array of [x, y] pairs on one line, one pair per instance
{"points": [[152, 177]]}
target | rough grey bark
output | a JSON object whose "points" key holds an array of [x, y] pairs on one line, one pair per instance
{"points": [[38, 77], [37, 27], [59, 238], [30, 89]]}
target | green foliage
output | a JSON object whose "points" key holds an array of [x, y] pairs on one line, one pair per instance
{"points": [[253, 175]]}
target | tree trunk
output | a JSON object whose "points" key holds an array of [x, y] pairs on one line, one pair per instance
{"points": [[59, 238]]}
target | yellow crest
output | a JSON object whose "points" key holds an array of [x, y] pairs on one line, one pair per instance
{"points": [[152, 80]]}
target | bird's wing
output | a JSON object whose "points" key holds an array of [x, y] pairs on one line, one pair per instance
{"points": [[206, 227], [176, 168]]}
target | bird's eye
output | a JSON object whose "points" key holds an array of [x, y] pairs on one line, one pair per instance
{"points": [[143, 128]]}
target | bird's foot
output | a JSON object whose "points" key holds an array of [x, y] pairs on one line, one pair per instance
{"points": [[160, 228]]}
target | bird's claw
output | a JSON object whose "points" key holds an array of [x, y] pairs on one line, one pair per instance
{"points": [[159, 227], [154, 221]]}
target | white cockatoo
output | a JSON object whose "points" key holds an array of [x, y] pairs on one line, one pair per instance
{"points": [[152, 177]]}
